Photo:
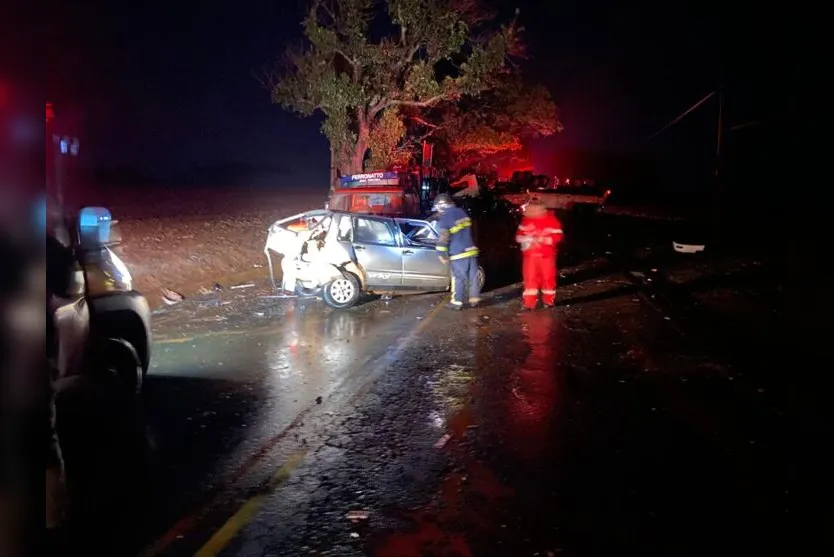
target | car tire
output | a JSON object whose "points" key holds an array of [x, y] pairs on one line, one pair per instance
{"points": [[120, 362], [481, 278], [343, 292]]}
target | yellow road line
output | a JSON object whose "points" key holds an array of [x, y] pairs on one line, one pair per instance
{"points": [[229, 530], [241, 518], [172, 340]]}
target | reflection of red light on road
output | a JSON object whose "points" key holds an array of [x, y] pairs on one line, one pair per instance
{"points": [[534, 393]]}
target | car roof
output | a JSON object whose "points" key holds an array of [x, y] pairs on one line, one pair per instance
{"points": [[372, 215]]}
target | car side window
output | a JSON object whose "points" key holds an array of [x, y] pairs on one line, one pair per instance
{"points": [[371, 231], [345, 230], [418, 233]]}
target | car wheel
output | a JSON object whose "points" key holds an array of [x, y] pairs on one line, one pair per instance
{"points": [[343, 292], [120, 363], [481, 278]]}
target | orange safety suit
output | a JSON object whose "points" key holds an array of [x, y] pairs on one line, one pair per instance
{"points": [[539, 234]]}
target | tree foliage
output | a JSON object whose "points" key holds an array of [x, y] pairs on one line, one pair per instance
{"points": [[497, 121], [436, 52]]}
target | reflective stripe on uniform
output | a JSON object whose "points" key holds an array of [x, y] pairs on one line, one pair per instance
{"points": [[469, 252], [553, 231], [530, 292], [548, 292], [460, 224], [442, 248], [474, 300]]}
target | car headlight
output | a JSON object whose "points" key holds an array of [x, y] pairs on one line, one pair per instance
{"points": [[108, 274]]}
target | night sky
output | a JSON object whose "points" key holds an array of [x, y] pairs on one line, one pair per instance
{"points": [[164, 87]]}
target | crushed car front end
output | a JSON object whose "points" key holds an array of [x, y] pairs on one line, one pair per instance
{"points": [[313, 256]]}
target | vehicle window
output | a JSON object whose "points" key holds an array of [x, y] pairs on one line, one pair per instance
{"points": [[369, 231], [339, 202], [418, 233], [318, 230], [345, 230]]}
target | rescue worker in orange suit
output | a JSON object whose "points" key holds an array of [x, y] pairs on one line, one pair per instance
{"points": [[456, 246], [539, 234]]}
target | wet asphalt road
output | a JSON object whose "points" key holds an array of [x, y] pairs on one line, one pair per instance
{"points": [[608, 425]]}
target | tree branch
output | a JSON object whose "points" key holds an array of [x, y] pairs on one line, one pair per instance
{"points": [[416, 104], [423, 122]]}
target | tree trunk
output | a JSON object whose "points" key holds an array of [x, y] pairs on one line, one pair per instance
{"points": [[334, 174], [356, 159]]}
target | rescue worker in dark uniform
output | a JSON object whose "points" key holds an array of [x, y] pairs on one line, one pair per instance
{"points": [[457, 247]]}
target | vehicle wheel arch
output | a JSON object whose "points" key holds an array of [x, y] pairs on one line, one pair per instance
{"points": [[118, 358], [128, 326], [356, 271]]}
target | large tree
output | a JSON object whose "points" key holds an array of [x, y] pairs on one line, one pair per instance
{"points": [[363, 80]]}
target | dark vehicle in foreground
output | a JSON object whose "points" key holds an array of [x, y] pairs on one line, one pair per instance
{"points": [[339, 255], [102, 325]]}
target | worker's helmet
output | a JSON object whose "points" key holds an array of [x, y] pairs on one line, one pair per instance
{"points": [[442, 202], [535, 208]]}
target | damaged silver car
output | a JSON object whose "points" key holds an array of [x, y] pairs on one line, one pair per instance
{"points": [[339, 256]]}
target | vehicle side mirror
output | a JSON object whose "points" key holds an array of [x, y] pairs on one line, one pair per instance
{"points": [[94, 227]]}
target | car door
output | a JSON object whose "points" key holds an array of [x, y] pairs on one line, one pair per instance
{"points": [[377, 251], [422, 268]]}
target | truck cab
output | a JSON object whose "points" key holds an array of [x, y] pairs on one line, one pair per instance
{"points": [[392, 194]]}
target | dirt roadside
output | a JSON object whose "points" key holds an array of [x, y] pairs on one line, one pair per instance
{"points": [[201, 238]]}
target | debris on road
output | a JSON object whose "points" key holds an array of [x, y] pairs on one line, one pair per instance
{"points": [[356, 516], [239, 286], [170, 297], [318, 400], [442, 441]]}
